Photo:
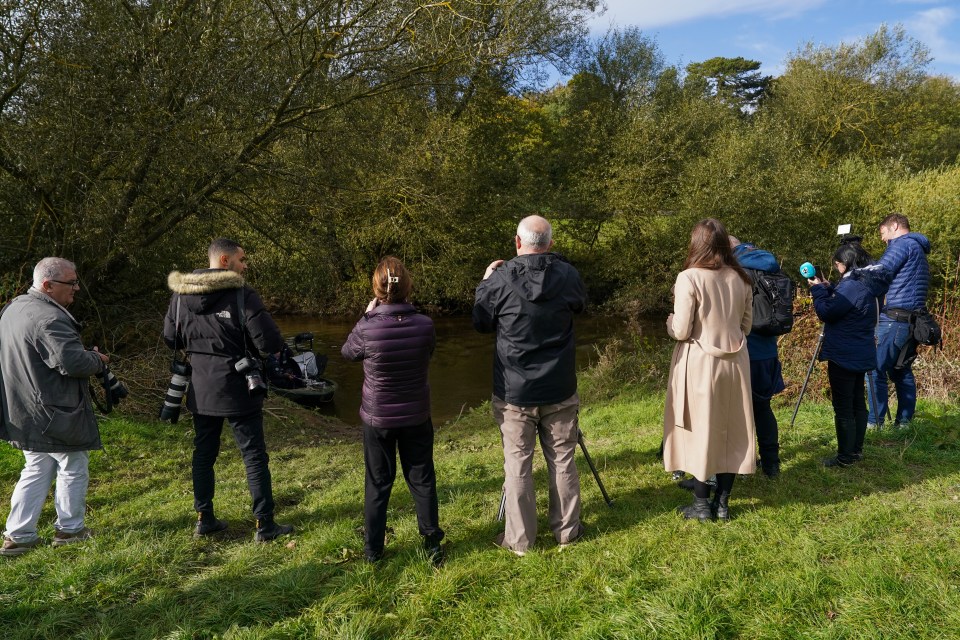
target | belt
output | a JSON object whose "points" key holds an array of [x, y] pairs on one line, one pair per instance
{"points": [[898, 315]]}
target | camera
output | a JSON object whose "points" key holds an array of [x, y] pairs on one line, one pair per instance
{"points": [[250, 368], [113, 388], [170, 410]]}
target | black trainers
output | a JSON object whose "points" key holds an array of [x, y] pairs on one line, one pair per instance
{"points": [[835, 461], [208, 524], [268, 530]]}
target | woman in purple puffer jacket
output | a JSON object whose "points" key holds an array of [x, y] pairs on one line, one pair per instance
{"points": [[395, 342]]}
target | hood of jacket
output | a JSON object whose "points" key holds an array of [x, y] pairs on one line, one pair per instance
{"points": [[919, 238], [203, 287], [536, 276], [750, 257]]}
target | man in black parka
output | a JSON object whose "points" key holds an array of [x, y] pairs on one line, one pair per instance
{"points": [[204, 319]]}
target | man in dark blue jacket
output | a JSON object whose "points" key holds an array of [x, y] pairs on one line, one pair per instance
{"points": [[530, 302], [905, 265], [766, 379]]}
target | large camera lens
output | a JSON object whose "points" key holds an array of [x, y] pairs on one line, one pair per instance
{"points": [[112, 386], [170, 411]]}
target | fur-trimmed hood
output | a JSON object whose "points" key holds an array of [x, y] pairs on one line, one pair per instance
{"points": [[203, 289], [203, 281]]}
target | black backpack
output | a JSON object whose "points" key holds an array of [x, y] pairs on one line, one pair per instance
{"points": [[773, 295]]}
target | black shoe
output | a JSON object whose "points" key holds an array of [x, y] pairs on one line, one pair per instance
{"points": [[771, 471], [835, 461], [268, 530], [699, 510], [435, 554], [374, 558], [208, 524]]}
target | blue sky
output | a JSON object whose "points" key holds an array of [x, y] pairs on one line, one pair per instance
{"points": [[770, 30]]}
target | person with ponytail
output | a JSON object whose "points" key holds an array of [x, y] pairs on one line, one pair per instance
{"points": [[395, 342]]}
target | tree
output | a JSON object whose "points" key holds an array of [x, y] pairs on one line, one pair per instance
{"points": [[733, 81], [122, 120]]}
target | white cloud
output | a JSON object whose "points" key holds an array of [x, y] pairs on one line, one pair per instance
{"points": [[929, 26], [647, 14]]}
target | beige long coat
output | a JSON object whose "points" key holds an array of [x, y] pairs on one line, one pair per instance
{"points": [[708, 418]]}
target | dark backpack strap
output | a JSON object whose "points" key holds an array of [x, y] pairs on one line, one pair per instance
{"points": [[241, 310]]}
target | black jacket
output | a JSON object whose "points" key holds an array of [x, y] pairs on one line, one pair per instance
{"points": [[529, 302], [210, 332]]}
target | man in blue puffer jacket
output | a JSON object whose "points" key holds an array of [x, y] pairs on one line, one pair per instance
{"points": [[905, 265], [766, 379]]}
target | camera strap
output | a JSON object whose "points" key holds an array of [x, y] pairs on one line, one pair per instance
{"points": [[241, 309]]}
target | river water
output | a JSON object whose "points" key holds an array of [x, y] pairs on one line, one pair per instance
{"points": [[461, 371]]}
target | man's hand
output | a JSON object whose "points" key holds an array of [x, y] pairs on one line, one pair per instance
{"points": [[372, 305], [104, 358], [492, 268]]}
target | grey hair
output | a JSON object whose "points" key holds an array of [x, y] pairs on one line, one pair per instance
{"points": [[535, 232], [51, 269]]}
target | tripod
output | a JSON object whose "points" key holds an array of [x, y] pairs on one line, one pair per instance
{"points": [[593, 468], [803, 389]]}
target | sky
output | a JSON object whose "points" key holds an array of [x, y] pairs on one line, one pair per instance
{"points": [[770, 30]]}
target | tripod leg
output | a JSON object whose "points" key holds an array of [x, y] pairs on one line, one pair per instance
{"points": [[503, 505], [803, 389], [593, 468]]}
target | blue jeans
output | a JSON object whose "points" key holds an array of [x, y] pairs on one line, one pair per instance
{"points": [[891, 336]]}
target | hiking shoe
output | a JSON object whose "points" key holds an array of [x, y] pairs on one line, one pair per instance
{"points": [[268, 530], [208, 525], [61, 538], [11, 548]]}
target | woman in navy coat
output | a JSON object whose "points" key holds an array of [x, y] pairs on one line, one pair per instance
{"points": [[849, 313]]}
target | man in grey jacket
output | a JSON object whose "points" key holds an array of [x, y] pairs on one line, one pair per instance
{"points": [[47, 410], [530, 302]]}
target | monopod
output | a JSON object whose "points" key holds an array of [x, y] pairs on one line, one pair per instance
{"points": [[593, 468]]}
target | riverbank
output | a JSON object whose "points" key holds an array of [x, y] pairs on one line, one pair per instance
{"points": [[866, 552]]}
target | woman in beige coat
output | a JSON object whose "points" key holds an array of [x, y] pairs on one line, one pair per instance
{"points": [[708, 419]]}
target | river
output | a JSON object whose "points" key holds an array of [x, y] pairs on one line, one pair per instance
{"points": [[461, 371]]}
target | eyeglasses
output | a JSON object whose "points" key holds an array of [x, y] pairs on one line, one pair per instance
{"points": [[72, 283]]}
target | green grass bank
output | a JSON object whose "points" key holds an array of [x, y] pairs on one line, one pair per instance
{"points": [[866, 552]]}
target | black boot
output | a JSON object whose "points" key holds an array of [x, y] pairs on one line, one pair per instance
{"points": [[720, 505], [268, 530], [846, 444], [700, 510], [208, 524]]}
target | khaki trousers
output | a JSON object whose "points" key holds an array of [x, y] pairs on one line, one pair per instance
{"points": [[557, 427]]}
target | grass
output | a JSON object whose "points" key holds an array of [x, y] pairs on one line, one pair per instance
{"points": [[866, 552]]}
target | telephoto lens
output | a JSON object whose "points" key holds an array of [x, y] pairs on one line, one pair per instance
{"points": [[170, 411], [250, 368], [113, 387]]}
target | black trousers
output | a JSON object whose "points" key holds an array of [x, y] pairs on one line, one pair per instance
{"points": [[248, 432], [380, 447], [768, 437], [849, 410]]}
